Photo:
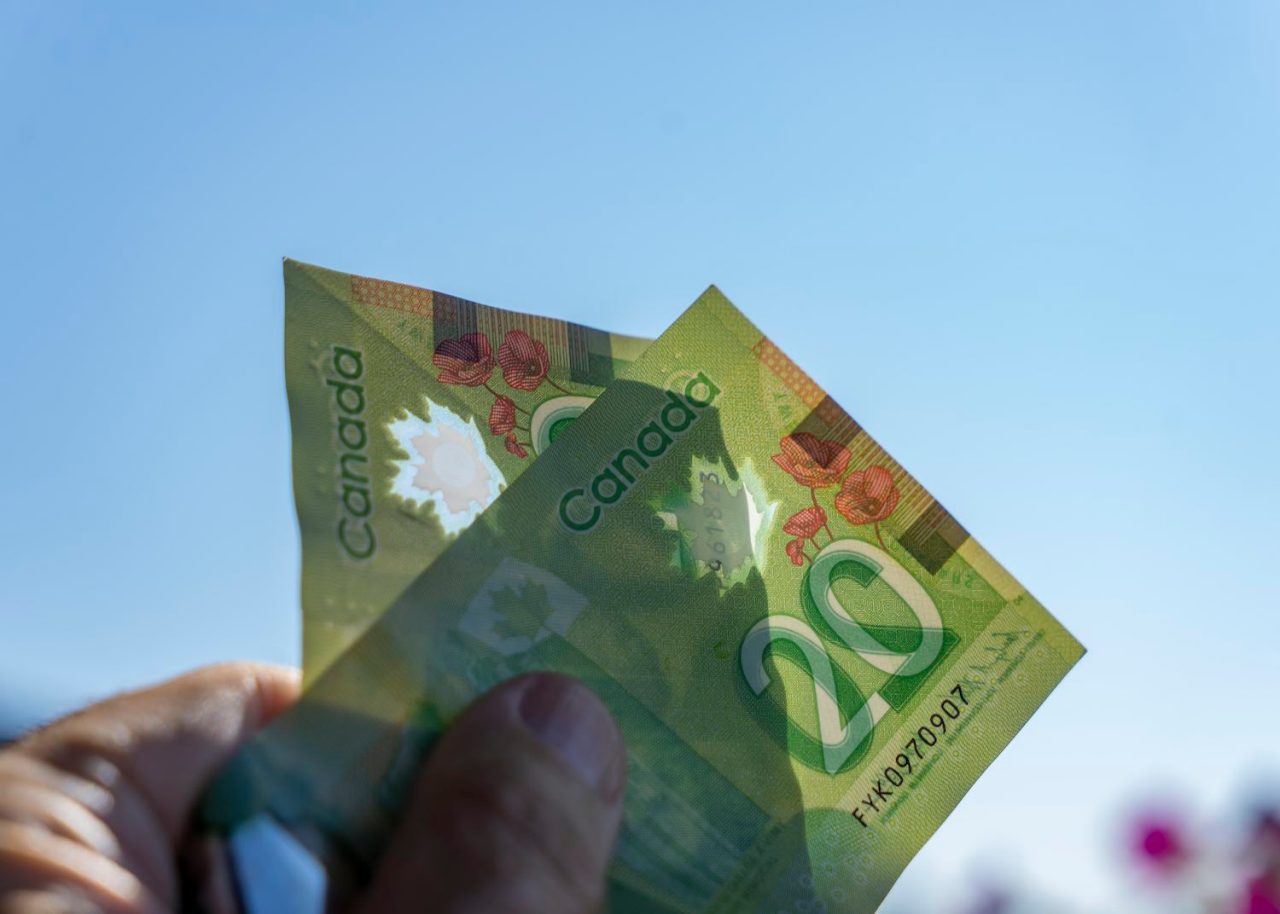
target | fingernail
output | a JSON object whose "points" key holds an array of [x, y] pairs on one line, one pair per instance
{"points": [[569, 718]]}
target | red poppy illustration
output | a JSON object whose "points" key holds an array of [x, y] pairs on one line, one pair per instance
{"points": [[466, 360], [806, 522], [795, 549], [868, 497], [515, 446], [812, 462], [523, 359], [502, 415]]}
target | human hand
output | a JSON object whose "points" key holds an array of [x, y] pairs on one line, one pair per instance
{"points": [[516, 809]]}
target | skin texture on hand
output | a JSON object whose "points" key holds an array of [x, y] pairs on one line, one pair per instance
{"points": [[93, 806], [516, 810]]}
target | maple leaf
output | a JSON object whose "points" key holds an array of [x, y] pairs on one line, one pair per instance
{"points": [[524, 612]]}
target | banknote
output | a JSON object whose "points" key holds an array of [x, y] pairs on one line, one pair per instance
{"points": [[810, 658], [411, 410]]}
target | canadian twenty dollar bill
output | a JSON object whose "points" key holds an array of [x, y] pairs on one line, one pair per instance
{"points": [[411, 410], [809, 657]]}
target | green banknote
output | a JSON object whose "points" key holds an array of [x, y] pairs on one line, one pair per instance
{"points": [[411, 411], [810, 658]]}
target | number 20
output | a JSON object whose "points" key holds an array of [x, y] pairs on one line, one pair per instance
{"points": [[835, 746]]}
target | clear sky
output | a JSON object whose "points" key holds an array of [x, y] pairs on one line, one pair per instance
{"points": [[1033, 247]]}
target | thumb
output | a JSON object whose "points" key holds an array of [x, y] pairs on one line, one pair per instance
{"points": [[516, 810]]}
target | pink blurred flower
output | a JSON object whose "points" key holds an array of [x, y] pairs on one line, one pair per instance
{"points": [[1158, 844], [992, 901], [1265, 839], [1261, 898]]}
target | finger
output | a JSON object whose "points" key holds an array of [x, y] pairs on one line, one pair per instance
{"points": [[105, 794], [163, 744], [516, 810]]}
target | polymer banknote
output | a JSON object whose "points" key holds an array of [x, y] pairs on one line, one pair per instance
{"points": [[810, 658], [411, 411]]}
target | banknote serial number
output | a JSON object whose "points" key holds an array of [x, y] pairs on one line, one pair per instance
{"points": [[919, 748]]}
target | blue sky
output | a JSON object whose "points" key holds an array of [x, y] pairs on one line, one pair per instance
{"points": [[1031, 246]]}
